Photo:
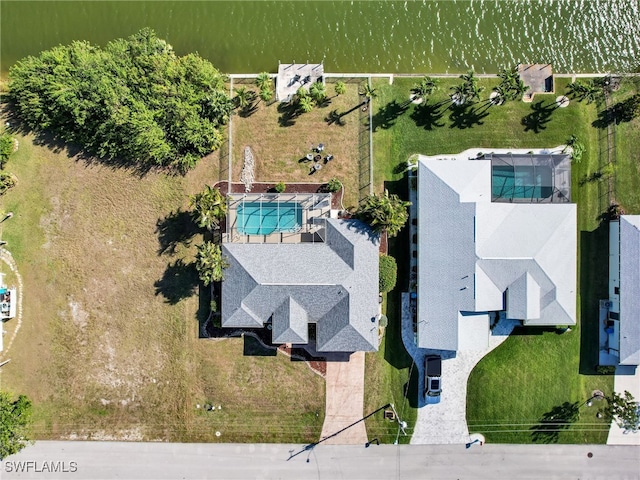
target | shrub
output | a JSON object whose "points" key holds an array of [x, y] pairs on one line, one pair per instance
{"points": [[334, 185], [280, 187], [6, 148], [388, 273], [6, 182], [605, 369], [213, 306], [383, 322]]}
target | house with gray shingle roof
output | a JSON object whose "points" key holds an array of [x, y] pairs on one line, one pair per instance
{"points": [[331, 283], [496, 233], [622, 322]]}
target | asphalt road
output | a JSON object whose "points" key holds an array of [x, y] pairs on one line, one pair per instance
{"points": [[102, 460]]}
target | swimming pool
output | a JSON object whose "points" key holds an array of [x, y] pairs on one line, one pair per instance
{"points": [[521, 182], [257, 218]]}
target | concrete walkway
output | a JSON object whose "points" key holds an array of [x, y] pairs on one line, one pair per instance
{"points": [[345, 401], [625, 379]]}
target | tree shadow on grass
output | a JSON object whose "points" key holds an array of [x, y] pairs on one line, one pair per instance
{"points": [[539, 117], [428, 115], [386, 117], [288, 113], [178, 282], [619, 112], [176, 229], [334, 118], [559, 418], [466, 116]]}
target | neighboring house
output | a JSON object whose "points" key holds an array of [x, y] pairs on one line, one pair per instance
{"points": [[497, 237], [331, 282], [620, 319]]}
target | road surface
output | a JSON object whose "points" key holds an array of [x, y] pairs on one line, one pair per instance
{"points": [[106, 460]]}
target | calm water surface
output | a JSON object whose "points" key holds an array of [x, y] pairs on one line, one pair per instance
{"points": [[361, 36]]}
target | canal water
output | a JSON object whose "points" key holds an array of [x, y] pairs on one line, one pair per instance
{"points": [[411, 36]]}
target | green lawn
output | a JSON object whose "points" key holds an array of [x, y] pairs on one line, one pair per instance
{"points": [[109, 345], [513, 387]]}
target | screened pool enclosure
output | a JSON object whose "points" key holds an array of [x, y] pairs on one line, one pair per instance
{"points": [[277, 217], [530, 178]]}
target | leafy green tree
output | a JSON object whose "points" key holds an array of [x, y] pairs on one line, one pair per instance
{"points": [[209, 207], [340, 88], [134, 99], [210, 262], [624, 410], [15, 419], [388, 273], [385, 213]]}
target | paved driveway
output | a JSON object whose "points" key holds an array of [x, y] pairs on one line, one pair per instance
{"points": [[444, 420], [345, 401]]}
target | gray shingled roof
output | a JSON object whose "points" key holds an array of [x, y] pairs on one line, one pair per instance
{"points": [[630, 289], [472, 253], [333, 284]]}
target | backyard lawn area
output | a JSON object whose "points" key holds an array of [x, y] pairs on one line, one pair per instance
{"points": [[109, 343], [280, 141], [530, 374]]}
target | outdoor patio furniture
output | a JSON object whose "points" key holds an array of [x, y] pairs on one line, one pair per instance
{"points": [[320, 147], [318, 158], [317, 166], [309, 156], [328, 158]]}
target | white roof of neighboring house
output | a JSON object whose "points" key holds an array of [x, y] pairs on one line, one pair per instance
{"points": [[475, 255], [630, 289]]}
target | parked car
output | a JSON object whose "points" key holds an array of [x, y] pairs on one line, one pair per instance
{"points": [[433, 369]]}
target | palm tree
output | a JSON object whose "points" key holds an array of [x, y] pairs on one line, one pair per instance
{"points": [[210, 262], [501, 94], [385, 213], [242, 97], [459, 95], [425, 88], [368, 92], [266, 94], [209, 207], [340, 88], [263, 81], [318, 92], [470, 82], [305, 104]]}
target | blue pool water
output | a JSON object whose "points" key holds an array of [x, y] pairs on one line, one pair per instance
{"points": [[255, 218], [524, 182]]}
